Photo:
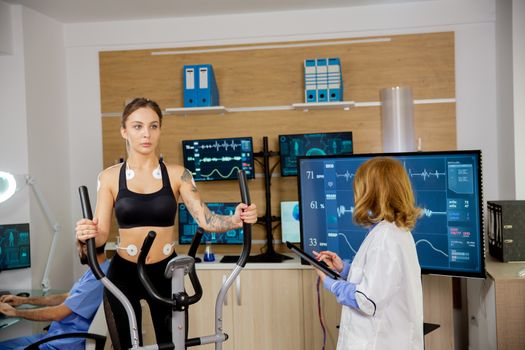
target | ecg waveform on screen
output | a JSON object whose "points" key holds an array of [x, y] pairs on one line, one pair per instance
{"points": [[346, 175], [217, 145], [429, 213], [234, 169], [425, 174], [431, 246], [341, 210], [347, 242], [219, 159]]}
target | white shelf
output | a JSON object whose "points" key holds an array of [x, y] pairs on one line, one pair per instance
{"points": [[197, 110], [324, 105], [221, 109]]}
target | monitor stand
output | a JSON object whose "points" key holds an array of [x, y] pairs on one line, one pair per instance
{"points": [[268, 257]]}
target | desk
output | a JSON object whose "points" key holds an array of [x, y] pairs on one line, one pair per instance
{"points": [[10, 321], [510, 303]]}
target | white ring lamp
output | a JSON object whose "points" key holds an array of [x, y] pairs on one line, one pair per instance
{"points": [[8, 187]]}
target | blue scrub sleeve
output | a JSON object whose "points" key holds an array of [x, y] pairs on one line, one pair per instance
{"points": [[85, 296], [344, 291], [346, 270]]}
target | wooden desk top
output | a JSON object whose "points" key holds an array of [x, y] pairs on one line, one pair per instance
{"points": [[504, 271]]}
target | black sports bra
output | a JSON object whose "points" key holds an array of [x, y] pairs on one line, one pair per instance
{"points": [[145, 209]]}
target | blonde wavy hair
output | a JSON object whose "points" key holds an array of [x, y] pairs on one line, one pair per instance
{"points": [[382, 191]]}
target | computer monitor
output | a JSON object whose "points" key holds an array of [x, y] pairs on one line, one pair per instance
{"points": [[188, 226], [297, 145], [15, 250], [447, 186], [219, 159], [290, 227]]}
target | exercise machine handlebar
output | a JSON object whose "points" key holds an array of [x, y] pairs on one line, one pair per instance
{"points": [[179, 301], [88, 214], [247, 228], [99, 274]]}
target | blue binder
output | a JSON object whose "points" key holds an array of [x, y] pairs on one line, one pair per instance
{"points": [[207, 92], [322, 79], [310, 87], [190, 86], [335, 80]]}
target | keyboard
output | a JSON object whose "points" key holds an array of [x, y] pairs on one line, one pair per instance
{"points": [[230, 259]]}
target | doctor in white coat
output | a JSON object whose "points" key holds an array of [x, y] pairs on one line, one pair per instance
{"points": [[382, 295]]}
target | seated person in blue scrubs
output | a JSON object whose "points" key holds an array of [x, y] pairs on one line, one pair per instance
{"points": [[68, 313]]}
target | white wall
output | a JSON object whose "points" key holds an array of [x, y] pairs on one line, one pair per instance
{"points": [[518, 40], [14, 150], [33, 129], [47, 125], [505, 99], [13, 133], [6, 30]]}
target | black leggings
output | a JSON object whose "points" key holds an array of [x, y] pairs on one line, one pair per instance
{"points": [[124, 275]]}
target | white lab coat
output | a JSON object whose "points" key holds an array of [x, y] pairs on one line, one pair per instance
{"points": [[386, 270]]}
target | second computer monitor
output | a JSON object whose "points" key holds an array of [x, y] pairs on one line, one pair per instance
{"points": [[14, 246], [318, 144], [188, 226], [290, 226], [218, 159]]}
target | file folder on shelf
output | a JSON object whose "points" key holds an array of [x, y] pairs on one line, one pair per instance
{"points": [[335, 80], [207, 93], [190, 88], [322, 79], [200, 87], [310, 83]]}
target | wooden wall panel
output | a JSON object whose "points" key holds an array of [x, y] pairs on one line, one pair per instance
{"points": [[274, 76], [437, 300], [249, 76]]}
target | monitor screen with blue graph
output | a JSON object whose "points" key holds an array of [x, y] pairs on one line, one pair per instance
{"points": [[290, 229], [188, 226], [218, 159], [318, 144], [447, 187], [14, 246]]}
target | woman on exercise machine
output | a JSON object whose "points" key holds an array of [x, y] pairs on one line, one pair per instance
{"points": [[144, 191]]}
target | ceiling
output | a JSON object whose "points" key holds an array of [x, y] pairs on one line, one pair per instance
{"points": [[78, 11]]}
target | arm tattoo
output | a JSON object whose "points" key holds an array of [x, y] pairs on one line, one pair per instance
{"points": [[193, 208], [212, 222], [219, 223], [188, 178]]}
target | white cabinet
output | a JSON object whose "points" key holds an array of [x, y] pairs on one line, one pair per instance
{"points": [[264, 309]]}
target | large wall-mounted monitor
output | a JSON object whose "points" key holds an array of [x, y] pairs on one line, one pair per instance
{"points": [[447, 186], [319, 144], [219, 159], [15, 250], [188, 226]]}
